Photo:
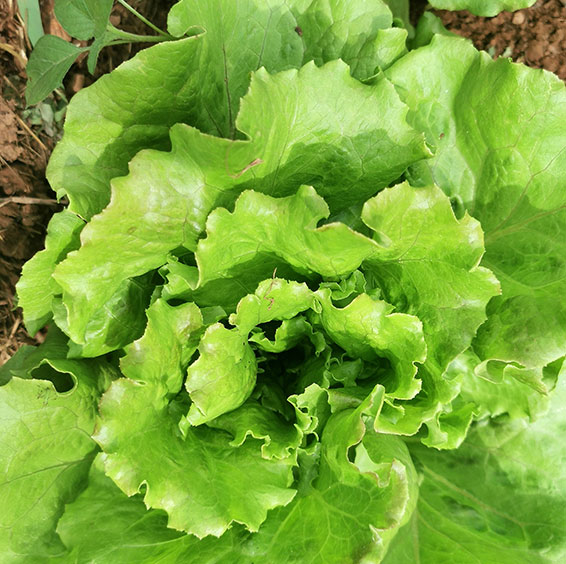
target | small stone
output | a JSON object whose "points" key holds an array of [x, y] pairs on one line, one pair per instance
{"points": [[518, 18], [534, 52]]}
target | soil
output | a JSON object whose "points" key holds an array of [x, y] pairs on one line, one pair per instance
{"points": [[536, 36]]}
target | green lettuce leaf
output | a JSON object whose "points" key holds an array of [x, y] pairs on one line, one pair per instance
{"points": [[36, 288], [495, 393], [134, 107], [270, 233], [203, 482], [359, 33], [162, 354], [223, 376], [345, 511], [47, 417], [428, 266], [280, 439], [379, 489], [487, 8], [273, 299], [119, 320], [370, 330], [199, 81], [290, 333], [499, 498], [500, 161], [174, 192], [131, 533]]}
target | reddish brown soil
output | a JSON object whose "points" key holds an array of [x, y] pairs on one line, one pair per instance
{"points": [[536, 36], [23, 157]]}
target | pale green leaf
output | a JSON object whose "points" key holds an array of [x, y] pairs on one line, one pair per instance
{"points": [[268, 233], [274, 299], [35, 288], [428, 267], [498, 499], [351, 510], [290, 333], [357, 32], [203, 482], [482, 7], [498, 132], [371, 330], [222, 377], [198, 81], [163, 353], [131, 533], [45, 447], [280, 438]]}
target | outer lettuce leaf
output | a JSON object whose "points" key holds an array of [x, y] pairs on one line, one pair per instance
{"points": [[359, 33], [203, 482], [347, 152], [499, 137], [487, 8], [195, 81], [199, 81], [118, 321], [133, 534], [504, 394], [45, 446], [174, 192], [429, 266], [500, 498], [377, 490], [36, 288]]}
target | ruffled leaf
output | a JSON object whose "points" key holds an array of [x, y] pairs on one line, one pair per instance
{"points": [[203, 482]]}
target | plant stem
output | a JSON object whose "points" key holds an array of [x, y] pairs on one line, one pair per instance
{"points": [[144, 20], [127, 37]]}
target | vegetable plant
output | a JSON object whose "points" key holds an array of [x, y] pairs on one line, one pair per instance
{"points": [[305, 304]]}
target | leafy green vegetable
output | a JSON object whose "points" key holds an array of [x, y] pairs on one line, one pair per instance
{"points": [[47, 414], [311, 309], [499, 498], [205, 172], [503, 180], [482, 7]]}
